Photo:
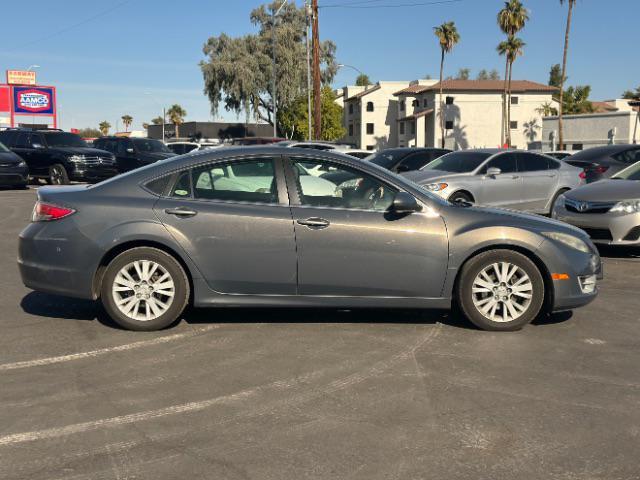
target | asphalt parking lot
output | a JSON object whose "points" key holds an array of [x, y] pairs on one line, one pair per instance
{"points": [[297, 394]]}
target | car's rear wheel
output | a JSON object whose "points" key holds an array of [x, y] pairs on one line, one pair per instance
{"points": [[500, 290], [58, 175], [144, 289]]}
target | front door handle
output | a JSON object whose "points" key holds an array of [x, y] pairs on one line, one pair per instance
{"points": [[314, 223], [515, 177], [181, 212]]}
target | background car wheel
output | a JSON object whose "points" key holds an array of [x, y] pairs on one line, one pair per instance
{"points": [[58, 175], [461, 197], [144, 289], [500, 290]]}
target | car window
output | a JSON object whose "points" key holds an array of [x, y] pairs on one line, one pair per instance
{"points": [[36, 139], [8, 138], [414, 161], [148, 145], [182, 187], [239, 181], [530, 162], [23, 140], [64, 139], [122, 145], [553, 164], [506, 162], [627, 156], [359, 191], [458, 162]]}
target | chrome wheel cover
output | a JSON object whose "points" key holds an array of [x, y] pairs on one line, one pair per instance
{"points": [[143, 290], [502, 292]]}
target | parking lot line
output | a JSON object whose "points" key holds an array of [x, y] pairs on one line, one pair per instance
{"points": [[102, 351]]}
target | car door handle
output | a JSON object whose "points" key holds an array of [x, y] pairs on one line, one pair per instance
{"points": [[314, 222], [181, 212], [515, 177]]}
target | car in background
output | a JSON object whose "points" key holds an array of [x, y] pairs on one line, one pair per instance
{"points": [[134, 152], [180, 148], [256, 140], [347, 149], [503, 178], [150, 241], [608, 210], [604, 162], [559, 154], [59, 157], [361, 154], [13, 170]]}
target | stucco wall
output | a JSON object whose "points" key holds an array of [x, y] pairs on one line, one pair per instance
{"points": [[591, 130]]}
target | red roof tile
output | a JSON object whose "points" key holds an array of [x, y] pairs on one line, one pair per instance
{"points": [[519, 86]]}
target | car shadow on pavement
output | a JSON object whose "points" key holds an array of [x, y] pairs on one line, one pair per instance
{"points": [[620, 252]]}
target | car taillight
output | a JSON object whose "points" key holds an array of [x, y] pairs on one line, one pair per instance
{"points": [[601, 169], [583, 175], [46, 212]]}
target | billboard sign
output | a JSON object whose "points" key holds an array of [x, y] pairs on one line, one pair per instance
{"points": [[34, 100], [21, 77]]}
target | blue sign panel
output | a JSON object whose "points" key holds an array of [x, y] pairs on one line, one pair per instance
{"points": [[34, 100]]}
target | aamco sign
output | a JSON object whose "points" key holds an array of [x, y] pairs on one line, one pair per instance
{"points": [[34, 100]]}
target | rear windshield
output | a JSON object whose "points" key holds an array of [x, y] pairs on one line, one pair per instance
{"points": [[149, 145], [388, 158], [458, 162], [64, 139]]}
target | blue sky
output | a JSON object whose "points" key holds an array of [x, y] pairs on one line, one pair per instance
{"points": [[104, 66]]}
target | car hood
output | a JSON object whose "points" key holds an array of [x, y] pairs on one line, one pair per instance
{"points": [[86, 151], [606, 191], [430, 176], [9, 158]]}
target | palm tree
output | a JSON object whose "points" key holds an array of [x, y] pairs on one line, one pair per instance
{"points": [[127, 120], [176, 116], [104, 127], [448, 37], [564, 67], [547, 109], [511, 19], [512, 49]]}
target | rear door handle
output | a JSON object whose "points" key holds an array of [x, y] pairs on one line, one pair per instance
{"points": [[181, 212], [314, 222]]}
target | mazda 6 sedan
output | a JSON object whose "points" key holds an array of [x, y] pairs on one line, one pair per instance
{"points": [[247, 227]]}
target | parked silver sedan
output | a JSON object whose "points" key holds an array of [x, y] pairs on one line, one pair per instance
{"points": [[504, 178], [608, 210]]}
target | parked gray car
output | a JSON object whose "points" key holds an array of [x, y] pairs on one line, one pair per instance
{"points": [[608, 210], [502, 178], [187, 229]]}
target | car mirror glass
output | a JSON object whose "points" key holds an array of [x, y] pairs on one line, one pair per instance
{"points": [[493, 172]]}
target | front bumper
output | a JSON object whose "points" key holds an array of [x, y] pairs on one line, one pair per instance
{"points": [[603, 228], [92, 174], [14, 176]]}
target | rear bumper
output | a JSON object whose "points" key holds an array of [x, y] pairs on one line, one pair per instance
{"points": [[14, 176], [604, 228]]}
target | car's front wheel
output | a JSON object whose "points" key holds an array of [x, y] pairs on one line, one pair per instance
{"points": [[144, 289], [58, 175], [500, 290]]}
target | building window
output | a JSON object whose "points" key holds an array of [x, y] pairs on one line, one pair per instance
{"points": [[578, 146], [351, 130], [449, 100], [369, 128], [371, 147], [369, 106], [448, 125], [402, 106], [401, 128], [351, 109], [413, 128], [515, 100], [514, 125], [415, 103], [425, 103]]}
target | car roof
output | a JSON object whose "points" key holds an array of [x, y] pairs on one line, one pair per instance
{"points": [[604, 150]]}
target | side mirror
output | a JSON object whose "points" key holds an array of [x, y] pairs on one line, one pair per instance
{"points": [[493, 172], [37, 145], [129, 150], [405, 203]]}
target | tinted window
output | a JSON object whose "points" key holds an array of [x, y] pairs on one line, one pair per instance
{"points": [[64, 139], [3, 148], [360, 191], [149, 145], [182, 187], [158, 185], [8, 138], [629, 173], [414, 161], [23, 140], [122, 145], [458, 162], [628, 156], [553, 165], [241, 181], [506, 162], [389, 158], [530, 162]]}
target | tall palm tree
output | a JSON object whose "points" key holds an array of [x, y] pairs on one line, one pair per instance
{"points": [[512, 48], [448, 37], [564, 68], [104, 127], [511, 19], [176, 116], [127, 120]]}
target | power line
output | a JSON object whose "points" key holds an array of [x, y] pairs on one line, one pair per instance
{"points": [[360, 5]]}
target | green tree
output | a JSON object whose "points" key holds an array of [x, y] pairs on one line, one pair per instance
{"points": [[547, 109], [176, 116], [563, 77], [363, 80], [145, 125], [512, 48], [89, 132], [294, 121], [576, 101], [238, 71], [104, 127], [157, 121], [632, 95], [486, 75], [126, 121], [555, 75], [448, 37], [511, 19], [463, 74], [494, 75]]}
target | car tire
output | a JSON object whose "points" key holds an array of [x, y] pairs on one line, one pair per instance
{"points": [[461, 197], [496, 299], [57, 175], [144, 289]]}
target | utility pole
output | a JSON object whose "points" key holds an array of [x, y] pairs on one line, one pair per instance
{"points": [[308, 15], [317, 131], [274, 83]]}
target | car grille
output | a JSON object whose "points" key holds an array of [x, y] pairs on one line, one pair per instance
{"points": [[599, 233], [8, 164], [577, 206], [91, 161]]}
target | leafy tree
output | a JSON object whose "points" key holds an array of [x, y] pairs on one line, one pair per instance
{"points": [[547, 109], [555, 75], [145, 125], [157, 121], [448, 37], [485, 75], [238, 71], [563, 77], [104, 127], [89, 132], [632, 95], [127, 120], [363, 80], [494, 75], [576, 100], [512, 48], [294, 120], [176, 116], [463, 74]]}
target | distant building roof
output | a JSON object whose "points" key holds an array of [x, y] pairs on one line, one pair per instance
{"points": [[602, 107], [419, 114], [363, 93], [519, 86]]}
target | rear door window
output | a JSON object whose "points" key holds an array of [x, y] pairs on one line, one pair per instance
{"points": [[530, 162], [415, 161], [628, 156], [506, 162]]}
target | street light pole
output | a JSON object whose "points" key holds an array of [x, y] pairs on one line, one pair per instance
{"points": [[274, 96], [342, 65]]}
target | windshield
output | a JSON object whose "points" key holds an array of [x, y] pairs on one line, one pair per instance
{"points": [[149, 145], [3, 149], [458, 162], [629, 173], [388, 158], [64, 139]]}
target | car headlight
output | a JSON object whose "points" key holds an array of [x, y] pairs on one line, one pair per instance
{"points": [[629, 206], [22, 163], [436, 187], [77, 158], [568, 240]]}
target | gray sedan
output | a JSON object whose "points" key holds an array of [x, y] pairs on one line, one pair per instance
{"points": [[608, 210], [503, 178], [245, 227]]}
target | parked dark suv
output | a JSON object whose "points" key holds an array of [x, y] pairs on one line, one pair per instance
{"points": [[132, 153], [58, 156]]}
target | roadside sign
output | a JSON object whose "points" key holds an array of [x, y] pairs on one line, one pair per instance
{"points": [[34, 100], [21, 77]]}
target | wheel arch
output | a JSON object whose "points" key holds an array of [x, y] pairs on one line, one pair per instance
{"points": [[465, 191]]}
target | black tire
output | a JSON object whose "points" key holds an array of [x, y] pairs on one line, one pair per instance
{"points": [[555, 199], [170, 265], [461, 197], [58, 175], [465, 296]]}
